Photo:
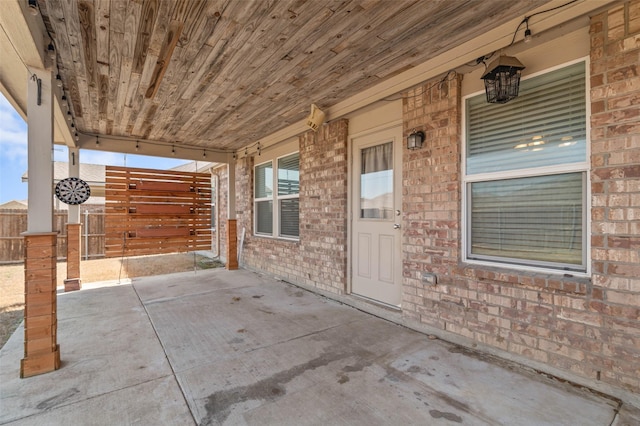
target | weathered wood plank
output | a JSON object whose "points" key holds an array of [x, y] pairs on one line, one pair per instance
{"points": [[170, 42], [145, 28], [86, 16], [202, 72], [131, 17]]}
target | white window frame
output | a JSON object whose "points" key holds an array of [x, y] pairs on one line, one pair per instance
{"points": [[582, 167], [275, 199]]}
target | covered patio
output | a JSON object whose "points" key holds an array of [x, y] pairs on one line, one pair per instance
{"points": [[222, 347], [233, 82]]}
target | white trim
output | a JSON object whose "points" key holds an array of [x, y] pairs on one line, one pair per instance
{"points": [[587, 226], [528, 172], [377, 129]]}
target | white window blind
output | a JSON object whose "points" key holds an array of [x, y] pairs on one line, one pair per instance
{"points": [[535, 218], [288, 192], [289, 175], [290, 217], [544, 126], [521, 207]]}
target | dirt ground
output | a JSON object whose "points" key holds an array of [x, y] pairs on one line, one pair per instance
{"points": [[12, 279]]}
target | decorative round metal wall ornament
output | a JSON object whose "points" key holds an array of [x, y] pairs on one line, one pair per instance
{"points": [[73, 190]]}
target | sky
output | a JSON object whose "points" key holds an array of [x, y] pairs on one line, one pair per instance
{"points": [[13, 155]]}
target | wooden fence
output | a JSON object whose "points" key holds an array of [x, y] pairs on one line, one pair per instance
{"points": [[13, 222], [156, 211]]}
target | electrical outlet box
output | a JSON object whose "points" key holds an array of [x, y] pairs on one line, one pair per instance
{"points": [[429, 278]]}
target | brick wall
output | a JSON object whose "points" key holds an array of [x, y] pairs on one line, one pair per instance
{"points": [[615, 177], [588, 327], [319, 258], [431, 200]]}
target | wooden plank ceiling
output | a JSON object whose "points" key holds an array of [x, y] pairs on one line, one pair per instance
{"points": [[219, 74]]}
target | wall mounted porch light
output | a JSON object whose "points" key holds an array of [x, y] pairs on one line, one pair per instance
{"points": [[502, 79], [415, 140]]}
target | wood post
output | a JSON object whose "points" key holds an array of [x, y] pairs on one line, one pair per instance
{"points": [[41, 349], [73, 281], [232, 244]]}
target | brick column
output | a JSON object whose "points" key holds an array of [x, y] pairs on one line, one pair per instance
{"points": [[232, 244], [73, 281], [41, 351]]}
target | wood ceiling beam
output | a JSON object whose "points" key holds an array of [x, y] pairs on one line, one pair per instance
{"points": [[152, 148]]}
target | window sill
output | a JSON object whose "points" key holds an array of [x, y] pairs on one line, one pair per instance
{"points": [[284, 239], [525, 269], [556, 281]]}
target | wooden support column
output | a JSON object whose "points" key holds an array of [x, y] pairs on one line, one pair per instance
{"points": [[232, 244], [41, 351], [73, 281], [74, 241]]}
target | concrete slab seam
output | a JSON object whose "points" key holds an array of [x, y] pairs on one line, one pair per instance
{"points": [[164, 350], [186, 296]]}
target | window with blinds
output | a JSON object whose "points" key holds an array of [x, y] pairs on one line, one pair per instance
{"points": [[284, 219], [288, 193], [526, 174]]}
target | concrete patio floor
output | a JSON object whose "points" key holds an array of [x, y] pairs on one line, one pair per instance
{"points": [[234, 347]]}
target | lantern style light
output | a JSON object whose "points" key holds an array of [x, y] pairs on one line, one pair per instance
{"points": [[502, 79], [415, 140]]}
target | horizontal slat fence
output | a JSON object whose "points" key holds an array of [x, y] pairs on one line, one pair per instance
{"points": [[156, 211], [13, 222]]}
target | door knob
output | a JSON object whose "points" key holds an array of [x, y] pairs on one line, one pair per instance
{"points": [[396, 226]]}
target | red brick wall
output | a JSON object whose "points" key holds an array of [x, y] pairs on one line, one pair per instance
{"points": [[431, 185], [588, 327], [615, 177], [319, 258]]}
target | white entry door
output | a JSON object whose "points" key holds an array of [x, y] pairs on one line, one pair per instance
{"points": [[376, 258]]}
